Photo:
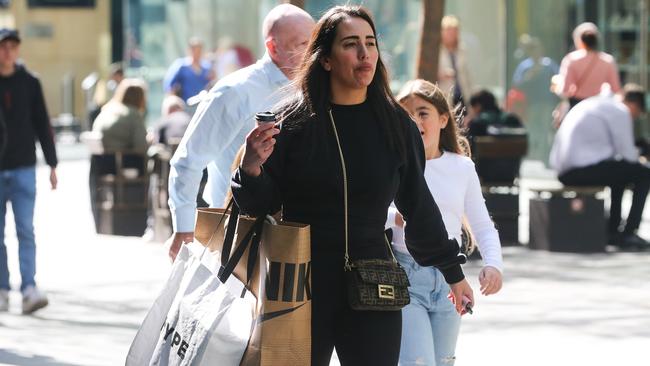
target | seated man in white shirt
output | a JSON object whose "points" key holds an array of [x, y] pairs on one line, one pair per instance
{"points": [[595, 146], [226, 115]]}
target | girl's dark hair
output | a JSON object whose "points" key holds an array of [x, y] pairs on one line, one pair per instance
{"points": [[450, 138], [312, 101], [589, 39]]}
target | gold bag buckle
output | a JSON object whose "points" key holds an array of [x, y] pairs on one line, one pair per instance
{"points": [[386, 292]]}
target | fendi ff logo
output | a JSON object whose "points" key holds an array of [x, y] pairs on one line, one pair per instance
{"points": [[386, 292], [288, 276]]}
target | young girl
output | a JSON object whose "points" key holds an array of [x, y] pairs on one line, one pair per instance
{"points": [[430, 322]]}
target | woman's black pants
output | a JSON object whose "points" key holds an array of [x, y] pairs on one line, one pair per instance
{"points": [[360, 337]]}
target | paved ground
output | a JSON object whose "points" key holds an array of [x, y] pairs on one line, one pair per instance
{"points": [[555, 309]]}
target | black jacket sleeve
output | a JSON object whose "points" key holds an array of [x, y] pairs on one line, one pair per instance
{"points": [[41, 122], [258, 196], [425, 233]]}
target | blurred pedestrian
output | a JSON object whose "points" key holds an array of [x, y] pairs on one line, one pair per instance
{"points": [[430, 319], [121, 121], [124, 139], [187, 76], [533, 76], [453, 74], [345, 119], [222, 120], [173, 123], [230, 57], [25, 114], [487, 119], [105, 90], [595, 146], [584, 71]]}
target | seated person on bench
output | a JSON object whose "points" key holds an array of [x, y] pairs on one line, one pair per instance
{"points": [[489, 120], [122, 126], [595, 146]]}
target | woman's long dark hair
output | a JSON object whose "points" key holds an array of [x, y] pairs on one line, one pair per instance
{"points": [[312, 100]]}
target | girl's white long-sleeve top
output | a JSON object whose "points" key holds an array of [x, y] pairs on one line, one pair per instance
{"points": [[455, 186]]}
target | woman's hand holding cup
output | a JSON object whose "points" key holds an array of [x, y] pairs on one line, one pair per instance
{"points": [[259, 146]]}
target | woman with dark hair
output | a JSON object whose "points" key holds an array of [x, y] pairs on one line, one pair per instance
{"points": [[343, 112]]}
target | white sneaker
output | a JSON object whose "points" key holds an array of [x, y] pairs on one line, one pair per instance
{"points": [[4, 300], [33, 300]]}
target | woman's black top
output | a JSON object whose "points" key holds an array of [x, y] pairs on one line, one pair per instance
{"points": [[306, 181]]}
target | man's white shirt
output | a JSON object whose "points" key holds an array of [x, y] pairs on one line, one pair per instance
{"points": [[597, 129], [215, 134]]}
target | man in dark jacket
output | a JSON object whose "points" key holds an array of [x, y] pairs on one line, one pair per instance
{"points": [[25, 115]]}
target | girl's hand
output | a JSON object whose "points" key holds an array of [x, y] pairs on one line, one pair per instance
{"points": [[461, 291], [491, 280], [399, 219]]}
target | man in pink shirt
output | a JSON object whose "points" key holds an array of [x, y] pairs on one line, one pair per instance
{"points": [[585, 70]]}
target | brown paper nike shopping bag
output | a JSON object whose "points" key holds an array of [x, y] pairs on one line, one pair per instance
{"points": [[282, 332]]}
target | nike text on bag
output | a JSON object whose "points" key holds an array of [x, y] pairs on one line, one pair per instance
{"points": [[282, 284]]}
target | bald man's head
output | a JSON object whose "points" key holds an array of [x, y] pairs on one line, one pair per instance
{"points": [[286, 31]]}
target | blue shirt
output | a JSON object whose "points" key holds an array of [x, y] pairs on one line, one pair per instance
{"points": [[217, 130], [537, 86], [182, 75]]}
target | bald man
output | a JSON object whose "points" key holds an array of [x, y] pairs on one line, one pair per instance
{"points": [[226, 115]]}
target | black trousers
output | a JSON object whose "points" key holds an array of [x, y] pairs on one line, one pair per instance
{"points": [[617, 174], [361, 338]]}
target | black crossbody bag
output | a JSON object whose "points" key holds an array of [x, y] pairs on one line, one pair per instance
{"points": [[372, 284]]}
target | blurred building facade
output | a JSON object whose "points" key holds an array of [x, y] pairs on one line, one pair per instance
{"points": [[149, 34], [62, 41]]}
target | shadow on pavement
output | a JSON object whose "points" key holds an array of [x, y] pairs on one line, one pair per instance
{"points": [[10, 358]]}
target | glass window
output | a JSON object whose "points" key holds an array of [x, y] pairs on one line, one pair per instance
{"points": [[157, 32], [398, 29]]}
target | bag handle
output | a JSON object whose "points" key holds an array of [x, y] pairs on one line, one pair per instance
{"points": [[205, 247], [348, 266], [251, 239], [253, 236], [229, 262], [229, 235]]}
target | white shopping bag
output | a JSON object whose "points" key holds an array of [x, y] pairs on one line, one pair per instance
{"points": [[146, 339], [210, 317], [211, 324]]}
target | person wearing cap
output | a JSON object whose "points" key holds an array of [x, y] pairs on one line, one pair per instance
{"points": [[584, 71], [226, 115], [188, 76], [594, 146], [25, 114]]}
